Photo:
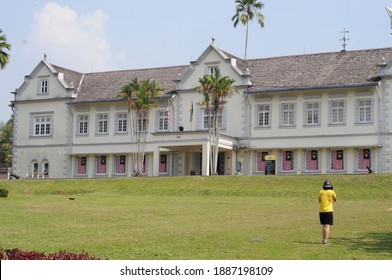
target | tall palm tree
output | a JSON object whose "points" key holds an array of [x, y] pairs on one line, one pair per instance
{"points": [[4, 57], [246, 10], [215, 90], [140, 98]]}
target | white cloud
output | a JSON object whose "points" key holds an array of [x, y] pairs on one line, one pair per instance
{"points": [[73, 40]]}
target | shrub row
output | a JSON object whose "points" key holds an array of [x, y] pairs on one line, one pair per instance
{"points": [[3, 193], [16, 254]]}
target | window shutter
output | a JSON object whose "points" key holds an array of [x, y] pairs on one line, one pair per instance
{"points": [[156, 120], [224, 118], [199, 118]]}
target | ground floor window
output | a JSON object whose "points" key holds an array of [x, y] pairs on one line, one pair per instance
{"points": [[38, 171], [337, 160], [364, 161], [144, 169], [101, 167], [163, 163], [311, 160], [260, 161], [120, 164], [81, 166], [287, 161], [34, 169], [45, 169]]}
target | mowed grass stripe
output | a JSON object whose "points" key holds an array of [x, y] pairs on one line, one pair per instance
{"points": [[218, 217]]}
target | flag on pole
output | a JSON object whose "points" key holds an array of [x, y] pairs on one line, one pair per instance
{"points": [[389, 11], [191, 112]]}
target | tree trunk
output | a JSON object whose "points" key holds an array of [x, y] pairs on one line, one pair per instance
{"points": [[246, 40]]}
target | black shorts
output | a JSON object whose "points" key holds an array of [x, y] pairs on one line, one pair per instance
{"points": [[326, 218]]}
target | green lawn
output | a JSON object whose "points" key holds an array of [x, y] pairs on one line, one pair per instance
{"points": [[217, 217]]}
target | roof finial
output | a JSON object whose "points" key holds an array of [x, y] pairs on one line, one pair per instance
{"points": [[213, 40], [45, 56], [344, 39]]}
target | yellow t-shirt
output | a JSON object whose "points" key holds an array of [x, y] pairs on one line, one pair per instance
{"points": [[326, 199]]}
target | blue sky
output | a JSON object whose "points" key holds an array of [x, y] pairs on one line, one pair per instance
{"points": [[98, 35]]}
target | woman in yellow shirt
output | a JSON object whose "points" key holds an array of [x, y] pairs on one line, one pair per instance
{"points": [[326, 198]]}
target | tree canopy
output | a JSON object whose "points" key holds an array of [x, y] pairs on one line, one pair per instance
{"points": [[246, 11], [4, 56]]}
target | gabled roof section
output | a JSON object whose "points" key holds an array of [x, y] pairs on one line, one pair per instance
{"points": [[238, 65], [322, 70], [298, 72], [70, 78], [58, 72], [107, 85]]}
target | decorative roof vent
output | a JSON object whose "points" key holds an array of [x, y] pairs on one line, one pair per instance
{"points": [[213, 41]]}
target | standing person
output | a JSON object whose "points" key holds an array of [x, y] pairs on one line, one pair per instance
{"points": [[326, 198]]}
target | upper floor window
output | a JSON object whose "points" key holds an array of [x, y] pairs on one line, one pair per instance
{"points": [[365, 110], [122, 122], [208, 119], [163, 120], [263, 116], [312, 113], [83, 124], [337, 112], [42, 126], [103, 123], [288, 114], [142, 124], [43, 86], [212, 70]]}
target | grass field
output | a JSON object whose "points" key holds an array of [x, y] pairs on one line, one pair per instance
{"points": [[206, 218]]}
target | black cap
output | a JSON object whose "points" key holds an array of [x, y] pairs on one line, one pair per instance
{"points": [[327, 185]]}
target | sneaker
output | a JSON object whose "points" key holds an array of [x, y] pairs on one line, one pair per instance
{"points": [[325, 242]]}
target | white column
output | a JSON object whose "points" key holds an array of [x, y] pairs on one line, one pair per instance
{"points": [[155, 163], [206, 160]]}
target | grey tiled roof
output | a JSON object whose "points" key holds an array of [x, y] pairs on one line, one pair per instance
{"points": [[334, 69], [70, 77], [107, 85]]}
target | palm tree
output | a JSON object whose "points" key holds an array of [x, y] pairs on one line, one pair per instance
{"points": [[4, 57], [246, 10], [140, 97], [215, 90]]}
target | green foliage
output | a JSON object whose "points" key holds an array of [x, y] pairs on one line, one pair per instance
{"points": [[4, 56], [6, 136], [140, 98], [215, 89], [3, 193], [16, 254], [246, 11], [217, 217]]}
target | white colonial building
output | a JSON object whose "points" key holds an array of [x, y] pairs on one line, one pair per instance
{"points": [[315, 114]]}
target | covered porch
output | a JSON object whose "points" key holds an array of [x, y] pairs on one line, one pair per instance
{"points": [[190, 153]]}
